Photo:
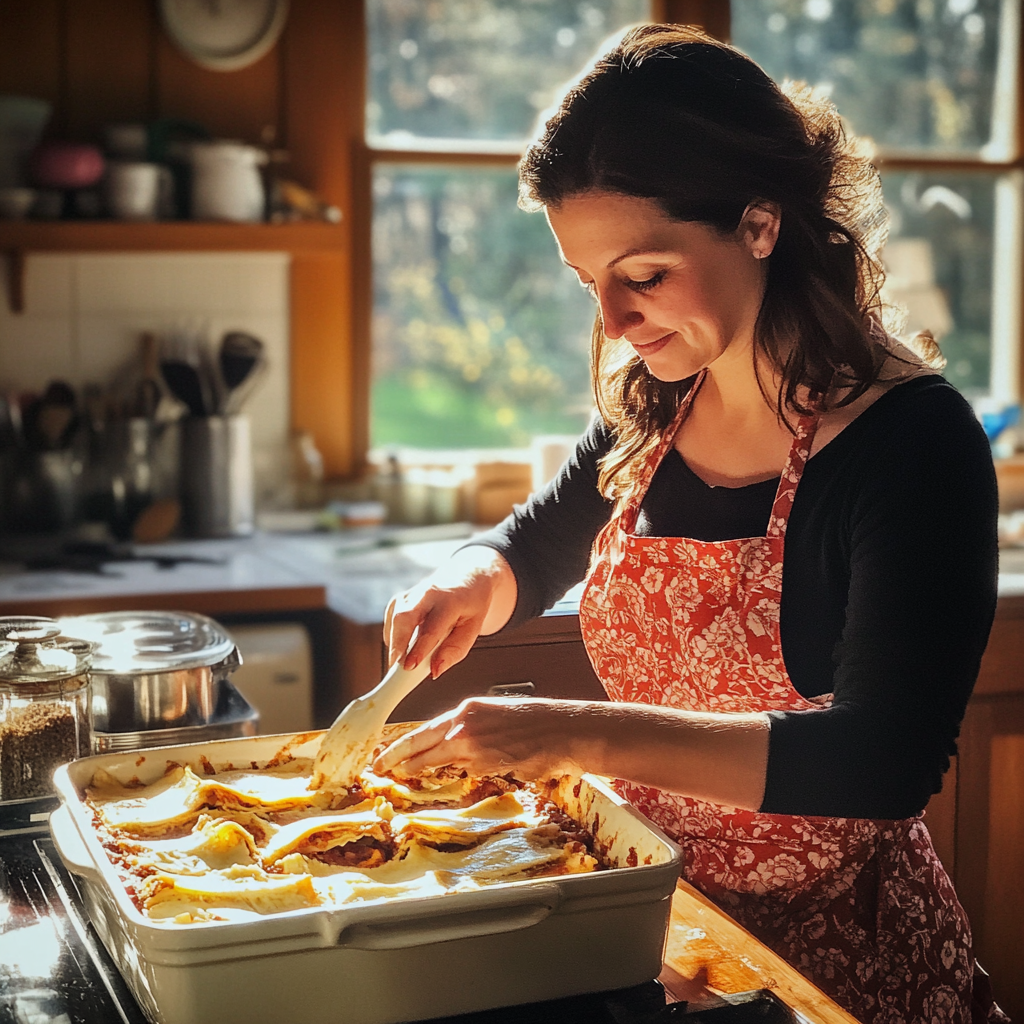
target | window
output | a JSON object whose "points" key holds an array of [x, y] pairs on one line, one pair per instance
{"points": [[934, 83], [480, 335]]}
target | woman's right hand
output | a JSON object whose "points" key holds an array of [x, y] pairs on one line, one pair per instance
{"points": [[474, 592]]}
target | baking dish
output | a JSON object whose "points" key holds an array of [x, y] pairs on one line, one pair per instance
{"points": [[385, 961]]}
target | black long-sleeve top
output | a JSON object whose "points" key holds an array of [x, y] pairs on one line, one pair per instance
{"points": [[888, 596]]}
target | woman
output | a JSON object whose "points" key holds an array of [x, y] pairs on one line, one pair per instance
{"points": [[786, 520]]}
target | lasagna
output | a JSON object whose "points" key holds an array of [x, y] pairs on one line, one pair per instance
{"points": [[222, 844]]}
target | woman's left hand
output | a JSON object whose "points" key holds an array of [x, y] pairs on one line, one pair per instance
{"points": [[531, 737]]}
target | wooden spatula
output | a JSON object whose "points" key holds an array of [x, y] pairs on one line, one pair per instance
{"points": [[347, 747]]}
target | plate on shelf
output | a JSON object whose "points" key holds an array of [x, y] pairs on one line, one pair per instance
{"points": [[224, 35]]}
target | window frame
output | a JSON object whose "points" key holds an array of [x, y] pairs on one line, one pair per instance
{"points": [[714, 17]]}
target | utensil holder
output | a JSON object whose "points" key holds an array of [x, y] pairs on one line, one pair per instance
{"points": [[217, 476]]}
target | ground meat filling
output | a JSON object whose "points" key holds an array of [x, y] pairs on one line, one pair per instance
{"points": [[366, 852]]}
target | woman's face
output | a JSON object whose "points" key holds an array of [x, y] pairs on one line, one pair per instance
{"points": [[680, 292]]}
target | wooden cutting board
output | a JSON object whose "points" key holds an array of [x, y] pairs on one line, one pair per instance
{"points": [[709, 954]]}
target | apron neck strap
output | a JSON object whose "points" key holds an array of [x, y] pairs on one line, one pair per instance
{"points": [[631, 511], [799, 453]]}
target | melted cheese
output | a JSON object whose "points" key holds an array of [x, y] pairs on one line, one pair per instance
{"points": [[325, 832], [467, 824], [214, 843], [177, 798], [166, 895], [262, 842]]}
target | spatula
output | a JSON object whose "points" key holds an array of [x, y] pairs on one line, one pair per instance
{"points": [[347, 747]]}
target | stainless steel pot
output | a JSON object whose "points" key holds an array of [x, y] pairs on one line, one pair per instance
{"points": [[154, 670]]}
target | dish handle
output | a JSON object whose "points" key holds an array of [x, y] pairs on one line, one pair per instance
{"points": [[71, 846], [525, 910]]}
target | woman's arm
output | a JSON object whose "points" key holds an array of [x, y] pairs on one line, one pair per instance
{"points": [[715, 757], [912, 514]]}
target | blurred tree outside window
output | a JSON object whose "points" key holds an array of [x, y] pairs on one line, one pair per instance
{"points": [[933, 83]]}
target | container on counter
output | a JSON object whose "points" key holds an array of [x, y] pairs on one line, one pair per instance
{"points": [[154, 670], [217, 493], [45, 713]]}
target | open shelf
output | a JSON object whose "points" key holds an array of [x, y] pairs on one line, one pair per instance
{"points": [[111, 235], [19, 238]]}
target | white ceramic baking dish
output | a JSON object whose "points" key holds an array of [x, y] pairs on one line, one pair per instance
{"points": [[386, 961]]}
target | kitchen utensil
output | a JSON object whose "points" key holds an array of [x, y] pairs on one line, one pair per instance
{"points": [[157, 521], [50, 421], [226, 182], [239, 358], [182, 368], [148, 392], [393, 959], [154, 670], [66, 165], [217, 476], [347, 747], [135, 191]]}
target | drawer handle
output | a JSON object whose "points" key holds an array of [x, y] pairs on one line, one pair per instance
{"points": [[511, 690]]}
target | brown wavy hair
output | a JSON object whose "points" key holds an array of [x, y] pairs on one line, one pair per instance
{"points": [[672, 115]]}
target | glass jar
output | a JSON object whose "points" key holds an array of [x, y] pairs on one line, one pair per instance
{"points": [[45, 713]]}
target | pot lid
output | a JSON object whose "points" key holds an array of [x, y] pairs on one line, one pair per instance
{"points": [[32, 650], [134, 643]]}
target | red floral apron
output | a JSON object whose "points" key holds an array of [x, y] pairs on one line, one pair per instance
{"points": [[861, 907]]}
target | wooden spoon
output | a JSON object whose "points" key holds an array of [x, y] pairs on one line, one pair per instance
{"points": [[347, 747]]}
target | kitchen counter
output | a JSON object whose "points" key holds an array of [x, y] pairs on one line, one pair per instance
{"points": [[352, 574]]}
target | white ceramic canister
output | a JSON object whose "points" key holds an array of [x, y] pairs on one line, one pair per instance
{"points": [[226, 182]]}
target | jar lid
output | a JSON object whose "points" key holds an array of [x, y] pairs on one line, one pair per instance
{"points": [[32, 650], [132, 643]]}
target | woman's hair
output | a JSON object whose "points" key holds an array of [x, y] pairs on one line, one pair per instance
{"points": [[672, 115]]}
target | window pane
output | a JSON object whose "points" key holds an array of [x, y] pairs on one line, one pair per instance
{"points": [[477, 69], [915, 75], [480, 334], [939, 266]]}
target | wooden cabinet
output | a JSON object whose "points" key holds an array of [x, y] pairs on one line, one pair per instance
{"points": [[543, 658], [988, 822]]}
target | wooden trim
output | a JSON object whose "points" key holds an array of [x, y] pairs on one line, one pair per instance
{"points": [[121, 236], [443, 158], [323, 82], [362, 303], [714, 16], [946, 165], [212, 602]]}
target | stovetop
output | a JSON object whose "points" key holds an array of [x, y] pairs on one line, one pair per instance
{"points": [[55, 970]]}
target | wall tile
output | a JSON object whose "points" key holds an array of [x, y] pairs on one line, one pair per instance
{"points": [[36, 349], [49, 284], [184, 284]]}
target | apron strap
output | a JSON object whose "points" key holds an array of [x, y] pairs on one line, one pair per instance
{"points": [[799, 453], [630, 514]]}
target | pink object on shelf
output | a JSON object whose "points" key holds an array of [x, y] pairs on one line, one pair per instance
{"points": [[57, 164]]}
